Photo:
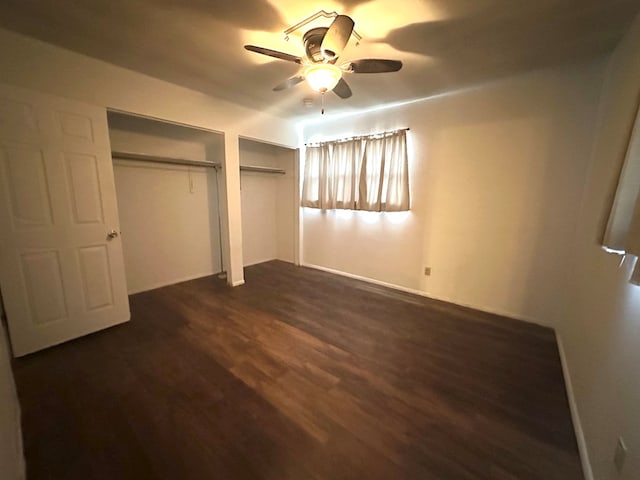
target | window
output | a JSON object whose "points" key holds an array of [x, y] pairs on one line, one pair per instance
{"points": [[369, 173]]}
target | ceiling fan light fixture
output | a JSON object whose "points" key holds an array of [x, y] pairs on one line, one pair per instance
{"points": [[323, 77], [323, 47]]}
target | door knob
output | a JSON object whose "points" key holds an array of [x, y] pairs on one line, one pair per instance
{"points": [[112, 234]]}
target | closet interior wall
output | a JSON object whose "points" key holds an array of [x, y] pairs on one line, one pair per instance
{"points": [[169, 214], [269, 205]]}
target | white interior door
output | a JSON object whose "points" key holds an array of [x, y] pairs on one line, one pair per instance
{"points": [[61, 274]]}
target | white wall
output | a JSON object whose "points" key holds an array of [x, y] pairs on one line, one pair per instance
{"points": [[11, 459], [269, 205], [29, 63], [496, 176], [156, 144], [600, 323], [168, 213]]}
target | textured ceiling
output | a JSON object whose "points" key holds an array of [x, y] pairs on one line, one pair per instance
{"points": [[444, 44]]}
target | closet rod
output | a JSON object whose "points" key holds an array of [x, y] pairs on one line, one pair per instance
{"points": [[192, 163], [252, 168], [156, 159]]}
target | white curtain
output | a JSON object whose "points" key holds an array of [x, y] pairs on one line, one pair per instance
{"points": [[316, 163], [384, 177], [346, 161], [358, 174], [623, 229]]}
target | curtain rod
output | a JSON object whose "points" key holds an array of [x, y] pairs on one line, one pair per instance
{"points": [[368, 135]]}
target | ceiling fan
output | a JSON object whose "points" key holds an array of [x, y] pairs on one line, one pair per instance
{"points": [[323, 46]]}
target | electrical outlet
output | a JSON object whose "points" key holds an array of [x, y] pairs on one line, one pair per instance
{"points": [[620, 455], [427, 271]]}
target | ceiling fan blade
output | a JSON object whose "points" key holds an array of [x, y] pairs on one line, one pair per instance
{"points": [[337, 37], [374, 65], [274, 53], [342, 89], [291, 82]]}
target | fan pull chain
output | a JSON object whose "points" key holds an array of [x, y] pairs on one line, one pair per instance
{"points": [[322, 102]]}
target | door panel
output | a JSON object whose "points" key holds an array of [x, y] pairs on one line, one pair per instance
{"points": [[18, 119], [84, 188], [75, 127], [96, 277], [29, 208], [61, 276], [45, 288]]}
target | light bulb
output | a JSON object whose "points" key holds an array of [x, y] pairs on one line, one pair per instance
{"points": [[323, 77]]}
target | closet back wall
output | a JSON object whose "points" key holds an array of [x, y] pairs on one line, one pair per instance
{"points": [[168, 213]]}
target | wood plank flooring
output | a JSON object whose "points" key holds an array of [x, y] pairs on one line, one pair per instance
{"points": [[299, 374]]}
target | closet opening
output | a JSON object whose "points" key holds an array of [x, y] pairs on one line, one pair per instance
{"points": [[269, 194], [167, 183]]}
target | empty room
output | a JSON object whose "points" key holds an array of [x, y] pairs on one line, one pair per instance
{"points": [[358, 239]]}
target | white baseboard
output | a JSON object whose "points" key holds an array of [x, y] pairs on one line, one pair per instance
{"points": [[364, 279], [173, 281], [257, 262], [575, 416], [237, 283], [495, 311], [481, 308]]}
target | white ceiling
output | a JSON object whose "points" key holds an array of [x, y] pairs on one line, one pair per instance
{"points": [[444, 44]]}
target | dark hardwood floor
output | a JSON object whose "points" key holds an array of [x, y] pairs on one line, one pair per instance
{"points": [[299, 374]]}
